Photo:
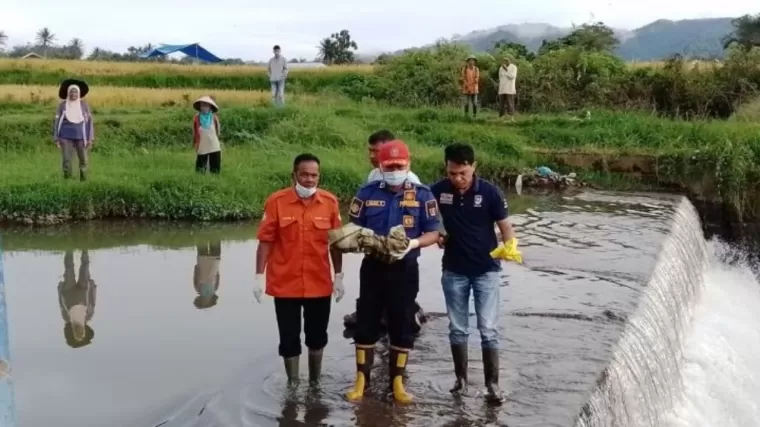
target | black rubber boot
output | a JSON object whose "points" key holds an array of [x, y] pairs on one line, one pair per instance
{"points": [[291, 369], [466, 110], [365, 358], [474, 111], [491, 370], [459, 354], [82, 176], [315, 366], [397, 367], [66, 174]]}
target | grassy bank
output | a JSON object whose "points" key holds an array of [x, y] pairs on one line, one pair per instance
{"points": [[141, 166]]}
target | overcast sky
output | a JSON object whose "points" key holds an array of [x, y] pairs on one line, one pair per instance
{"points": [[248, 28]]}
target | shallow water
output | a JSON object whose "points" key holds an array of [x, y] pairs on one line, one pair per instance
{"points": [[157, 358]]}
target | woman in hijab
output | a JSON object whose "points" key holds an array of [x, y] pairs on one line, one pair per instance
{"points": [[76, 298], [206, 136], [73, 129]]}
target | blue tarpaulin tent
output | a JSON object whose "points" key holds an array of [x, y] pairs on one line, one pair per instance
{"points": [[192, 50]]}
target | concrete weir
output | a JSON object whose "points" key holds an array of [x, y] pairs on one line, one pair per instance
{"points": [[642, 380]]}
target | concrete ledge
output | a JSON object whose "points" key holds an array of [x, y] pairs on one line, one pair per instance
{"points": [[642, 380]]}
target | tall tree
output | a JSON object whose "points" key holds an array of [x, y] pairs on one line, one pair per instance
{"points": [[337, 49], [746, 32], [75, 49], [3, 38], [45, 37], [595, 37]]}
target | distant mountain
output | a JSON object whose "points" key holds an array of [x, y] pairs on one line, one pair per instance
{"points": [[660, 39]]}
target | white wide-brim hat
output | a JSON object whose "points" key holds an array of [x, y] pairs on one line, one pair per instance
{"points": [[207, 100]]}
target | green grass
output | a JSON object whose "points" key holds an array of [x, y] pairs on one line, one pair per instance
{"points": [[142, 165]]}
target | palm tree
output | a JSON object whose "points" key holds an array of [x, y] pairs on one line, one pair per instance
{"points": [[75, 48], [45, 39], [327, 51], [76, 43]]}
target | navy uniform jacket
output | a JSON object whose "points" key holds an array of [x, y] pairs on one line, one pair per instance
{"points": [[378, 208], [469, 221]]}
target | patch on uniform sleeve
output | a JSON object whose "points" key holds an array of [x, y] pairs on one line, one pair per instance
{"points": [[356, 207], [375, 203], [408, 221], [431, 209]]}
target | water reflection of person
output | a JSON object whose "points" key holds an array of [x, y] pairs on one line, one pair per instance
{"points": [[206, 274], [315, 415], [76, 296]]}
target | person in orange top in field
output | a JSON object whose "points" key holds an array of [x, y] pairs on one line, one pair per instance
{"points": [[470, 83], [294, 252]]}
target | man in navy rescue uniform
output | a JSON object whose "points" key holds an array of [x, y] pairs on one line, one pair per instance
{"points": [[393, 284]]}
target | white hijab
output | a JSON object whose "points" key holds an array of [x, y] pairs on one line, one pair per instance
{"points": [[73, 109]]}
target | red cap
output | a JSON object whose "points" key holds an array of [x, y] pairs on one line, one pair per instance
{"points": [[393, 153]]}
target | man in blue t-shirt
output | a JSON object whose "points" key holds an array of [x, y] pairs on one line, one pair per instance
{"points": [[469, 208]]}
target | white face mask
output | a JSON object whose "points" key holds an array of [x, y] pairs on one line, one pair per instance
{"points": [[394, 178], [304, 192]]}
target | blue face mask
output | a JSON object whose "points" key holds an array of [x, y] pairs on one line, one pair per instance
{"points": [[394, 178]]}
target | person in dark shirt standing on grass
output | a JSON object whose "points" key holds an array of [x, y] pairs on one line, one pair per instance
{"points": [[469, 208]]}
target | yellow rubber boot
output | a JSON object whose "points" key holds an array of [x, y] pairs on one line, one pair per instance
{"points": [[397, 368], [365, 358]]}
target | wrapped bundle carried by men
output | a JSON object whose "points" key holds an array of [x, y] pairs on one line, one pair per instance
{"points": [[353, 238]]}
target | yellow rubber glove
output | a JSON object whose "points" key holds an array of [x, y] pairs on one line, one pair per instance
{"points": [[508, 251]]}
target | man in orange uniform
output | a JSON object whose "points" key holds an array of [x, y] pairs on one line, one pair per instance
{"points": [[470, 85], [293, 250]]}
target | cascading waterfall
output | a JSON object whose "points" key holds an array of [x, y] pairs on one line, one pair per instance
{"points": [[643, 380]]}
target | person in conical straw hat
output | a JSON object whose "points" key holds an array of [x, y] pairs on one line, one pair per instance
{"points": [[206, 136], [73, 130]]}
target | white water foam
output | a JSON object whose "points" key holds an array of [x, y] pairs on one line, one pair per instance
{"points": [[721, 369]]}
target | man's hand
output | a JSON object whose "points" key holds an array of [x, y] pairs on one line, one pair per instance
{"points": [[258, 287], [508, 251], [338, 289], [58, 143], [442, 241], [413, 244]]}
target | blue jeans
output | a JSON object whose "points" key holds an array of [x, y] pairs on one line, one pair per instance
{"points": [[278, 92], [485, 291]]}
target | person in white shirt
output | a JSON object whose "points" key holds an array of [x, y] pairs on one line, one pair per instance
{"points": [[507, 88], [277, 69], [375, 141]]}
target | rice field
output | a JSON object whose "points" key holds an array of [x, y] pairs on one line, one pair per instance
{"points": [[114, 96], [108, 68]]}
